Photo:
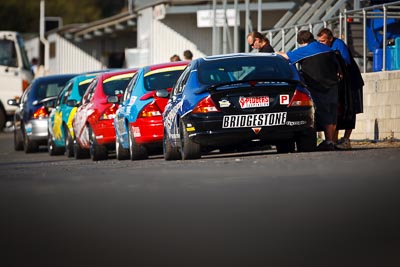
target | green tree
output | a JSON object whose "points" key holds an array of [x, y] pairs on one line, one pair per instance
{"points": [[24, 15]]}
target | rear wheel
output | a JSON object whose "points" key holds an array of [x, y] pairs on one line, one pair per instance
{"points": [[18, 140], [170, 152], [121, 153], [79, 152], [69, 143], [97, 152], [286, 146], [306, 141], [52, 148], [136, 151], [29, 146], [189, 149], [2, 118]]}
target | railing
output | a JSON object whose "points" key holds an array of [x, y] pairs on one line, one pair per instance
{"points": [[388, 10]]}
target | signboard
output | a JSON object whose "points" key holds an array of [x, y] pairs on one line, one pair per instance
{"points": [[205, 18], [159, 12]]}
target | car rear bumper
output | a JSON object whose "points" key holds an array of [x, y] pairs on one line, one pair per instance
{"points": [[208, 131], [148, 131], [37, 129], [105, 132]]}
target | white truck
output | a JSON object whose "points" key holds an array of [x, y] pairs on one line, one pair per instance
{"points": [[15, 72]]}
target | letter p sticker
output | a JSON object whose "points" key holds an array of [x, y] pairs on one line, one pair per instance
{"points": [[284, 99]]}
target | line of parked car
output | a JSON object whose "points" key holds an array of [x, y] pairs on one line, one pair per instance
{"points": [[180, 109]]}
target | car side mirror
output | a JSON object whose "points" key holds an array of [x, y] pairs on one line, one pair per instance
{"points": [[72, 103], [13, 102], [163, 93], [113, 99], [51, 103]]}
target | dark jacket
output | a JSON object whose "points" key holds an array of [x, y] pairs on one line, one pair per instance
{"points": [[266, 49], [350, 88]]}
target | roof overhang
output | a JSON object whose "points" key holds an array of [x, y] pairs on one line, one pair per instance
{"points": [[188, 7], [119, 22]]}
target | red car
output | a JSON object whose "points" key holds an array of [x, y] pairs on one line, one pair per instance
{"points": [[138, 122], [93, 124]]}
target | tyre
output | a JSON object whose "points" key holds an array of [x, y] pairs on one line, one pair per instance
{"points": [[2, 119], [18, 140], [286, 146], [136, 151], [69, 143], [170, 152], [189, 149], [52, 148], [121, 153], [29, 146], [306, 141], [97, 152], [79, 152]]}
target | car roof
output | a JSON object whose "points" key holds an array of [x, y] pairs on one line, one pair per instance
{"points": [[98, 71], [165, 65], [81, 77], [54, 77], [238, 55], [108, 74]]}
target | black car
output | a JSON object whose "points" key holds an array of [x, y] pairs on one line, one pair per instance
{"points": [[238, 100], [30, 119]]}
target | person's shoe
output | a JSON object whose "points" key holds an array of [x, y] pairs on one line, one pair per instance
{"points": [[343, 144], [326, 146]]}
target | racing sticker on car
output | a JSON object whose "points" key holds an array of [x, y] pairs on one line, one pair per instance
{"points": [[294, 123], [284, 99], [224, 103], [254, 120], [254, 101]]}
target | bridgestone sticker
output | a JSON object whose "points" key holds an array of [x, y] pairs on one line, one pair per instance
{"points": [[254, 120]]}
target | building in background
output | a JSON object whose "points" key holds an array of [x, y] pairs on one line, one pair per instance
{"points": [[149, 33]]}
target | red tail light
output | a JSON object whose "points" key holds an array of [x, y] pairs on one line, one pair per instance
{"points": [[25, 85], [109, 114], [300, 99], [151, 110], [205, 105], [41, 113]]}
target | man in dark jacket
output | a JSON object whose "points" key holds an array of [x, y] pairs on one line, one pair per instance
{"points": [[258, 41], [350, 90], [320, 69]]}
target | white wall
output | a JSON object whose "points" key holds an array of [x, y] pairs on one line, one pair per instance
{"points": [[70, 58], [32, 47], [173, 42], [381, 117]]}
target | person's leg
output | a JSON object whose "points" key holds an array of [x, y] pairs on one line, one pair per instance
{"points": [[328, 144], [336, 136], [326, 118], [347, 134], [344, 142], [330, 130]]}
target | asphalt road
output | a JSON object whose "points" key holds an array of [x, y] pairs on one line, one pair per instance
{"points": [[337, 208]]}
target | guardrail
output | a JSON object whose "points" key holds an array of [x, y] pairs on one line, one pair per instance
{"points": [[340, 23]]}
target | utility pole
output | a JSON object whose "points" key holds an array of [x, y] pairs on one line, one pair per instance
{"points": [[42, 36]]}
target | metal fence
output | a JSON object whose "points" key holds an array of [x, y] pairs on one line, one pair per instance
{"points": [[341, 25]]}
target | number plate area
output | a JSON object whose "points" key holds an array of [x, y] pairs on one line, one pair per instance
{"points": [[254, 120]]}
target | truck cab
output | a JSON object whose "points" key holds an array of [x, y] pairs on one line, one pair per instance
{"points": [[15, 72]]}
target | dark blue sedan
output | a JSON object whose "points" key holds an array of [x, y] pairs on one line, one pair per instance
{"points": [[238, 101], [30, 118]]}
